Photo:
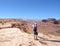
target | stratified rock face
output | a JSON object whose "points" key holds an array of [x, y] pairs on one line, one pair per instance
{"points": [[9, 36]]}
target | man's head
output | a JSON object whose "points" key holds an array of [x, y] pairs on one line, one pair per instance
{"points": [[35, 23]]}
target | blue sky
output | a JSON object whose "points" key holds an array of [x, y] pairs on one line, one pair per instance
{"points": [[30, 9]]}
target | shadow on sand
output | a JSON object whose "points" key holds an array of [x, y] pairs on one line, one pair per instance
{"points": [[53, 40], [45, 43], [43, 39]]}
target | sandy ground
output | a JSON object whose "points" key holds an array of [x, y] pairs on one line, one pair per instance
{"points": [[14, 37]]}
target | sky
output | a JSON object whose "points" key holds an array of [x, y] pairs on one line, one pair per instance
{"points": [[30, 9]]}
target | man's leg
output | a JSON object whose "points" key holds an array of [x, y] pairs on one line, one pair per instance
{"points": [[36, 37]]}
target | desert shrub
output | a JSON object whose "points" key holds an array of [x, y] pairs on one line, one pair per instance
{"points": [[24, 29], [58, 31], [0, 21]]}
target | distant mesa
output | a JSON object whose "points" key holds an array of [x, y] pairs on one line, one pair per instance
{"points": [[44, 20], [51, 20]]}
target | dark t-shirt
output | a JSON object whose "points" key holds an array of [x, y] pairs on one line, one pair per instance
{"points": [[35, 30]]}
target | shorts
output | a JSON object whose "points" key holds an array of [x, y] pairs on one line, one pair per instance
{"points": [[35, 33]]}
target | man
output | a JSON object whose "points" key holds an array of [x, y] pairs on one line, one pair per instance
{"points": [[35, 31]]}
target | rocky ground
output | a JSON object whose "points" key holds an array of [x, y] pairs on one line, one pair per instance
{"points": [[16, 37]]}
